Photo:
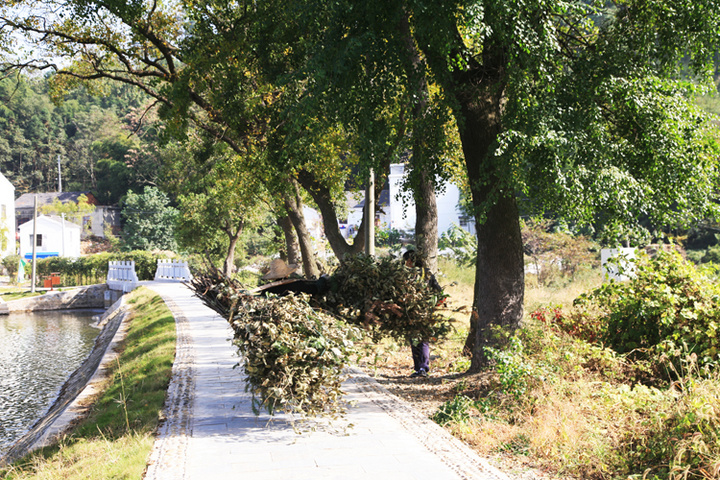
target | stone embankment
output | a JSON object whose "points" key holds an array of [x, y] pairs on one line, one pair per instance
{"points": [[93, 296]]}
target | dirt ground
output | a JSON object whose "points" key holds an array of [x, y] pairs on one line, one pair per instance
{"points": [[391, 367]]}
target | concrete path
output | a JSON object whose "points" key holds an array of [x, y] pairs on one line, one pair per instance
{"points": [[211, 432]]}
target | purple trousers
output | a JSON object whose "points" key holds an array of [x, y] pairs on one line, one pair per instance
{"points": [[421, 356]]}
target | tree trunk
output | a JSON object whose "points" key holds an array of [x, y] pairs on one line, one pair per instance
{"points": [[292, 248], [293, 204], [426, 221], [323, 198], [234, 237], [422, 178], [500, 273]]}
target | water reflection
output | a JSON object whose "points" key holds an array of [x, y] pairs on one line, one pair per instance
{"points": [[38, 351]]}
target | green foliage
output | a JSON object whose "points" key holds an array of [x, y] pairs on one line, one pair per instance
{"points": [[149, 221], [75, 212], [388, 298], [456, 410], [669, 309], [11, 263], [93, 269], [462, 243], [514, 371], [712, 255], [387, 237]]}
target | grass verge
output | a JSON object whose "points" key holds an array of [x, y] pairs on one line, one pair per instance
{"points": [[114, 440]]}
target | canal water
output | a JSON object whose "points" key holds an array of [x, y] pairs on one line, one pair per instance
{"points": [[38, 351]]}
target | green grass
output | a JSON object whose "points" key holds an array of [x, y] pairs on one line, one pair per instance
{"points": [[15, 295], [115, 439]]}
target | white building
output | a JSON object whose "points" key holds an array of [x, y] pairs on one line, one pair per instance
{"points": [[55, 238], [397, 209], [7, 217]]}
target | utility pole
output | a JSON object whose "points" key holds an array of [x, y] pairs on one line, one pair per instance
{"points": [[34, 245], [59, 176], [370, 215]]}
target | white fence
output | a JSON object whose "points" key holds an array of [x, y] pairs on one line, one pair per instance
{"points": [[172, 270], [121, 276]]}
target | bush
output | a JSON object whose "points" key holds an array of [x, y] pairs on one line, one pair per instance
{"points": [[712, 255], [669, 309], [94, 268], [556, 255], [11, 263], [461, 243], [387, 237], [579, 324]]}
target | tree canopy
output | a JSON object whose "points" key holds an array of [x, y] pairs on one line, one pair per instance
{"points": [[581, 108]]}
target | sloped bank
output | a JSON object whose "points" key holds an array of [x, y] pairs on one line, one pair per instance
{"points": [[80, 382], [92, 296]]}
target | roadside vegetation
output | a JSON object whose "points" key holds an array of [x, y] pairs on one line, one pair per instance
{"points": [[602, 380], [115, 439]]}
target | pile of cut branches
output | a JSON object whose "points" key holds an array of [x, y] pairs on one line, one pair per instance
{"points": [[293, 356], [387, 298]]}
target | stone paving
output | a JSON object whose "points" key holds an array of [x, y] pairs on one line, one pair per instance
{"points": [[211, 432]]}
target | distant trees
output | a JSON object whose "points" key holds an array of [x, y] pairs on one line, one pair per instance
{"points": [[106, 145], [149, 221]]}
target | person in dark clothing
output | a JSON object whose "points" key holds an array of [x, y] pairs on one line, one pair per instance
{"points": [[421, 349]]}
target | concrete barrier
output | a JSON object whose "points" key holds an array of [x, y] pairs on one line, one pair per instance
{"points": [[121, 276], [172, 270]]}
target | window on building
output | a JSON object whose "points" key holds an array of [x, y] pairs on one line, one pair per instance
{"points": [[38, 240]]}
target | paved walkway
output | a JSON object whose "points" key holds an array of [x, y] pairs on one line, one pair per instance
{"points": [[211, 432]]}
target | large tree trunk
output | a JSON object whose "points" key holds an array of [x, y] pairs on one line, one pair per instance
{"points": [[499, 276], [422, 178], [293, 204], [292, 248], [426, 221]]}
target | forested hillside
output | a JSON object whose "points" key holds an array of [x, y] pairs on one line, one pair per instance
{"points": [[106, 141]]}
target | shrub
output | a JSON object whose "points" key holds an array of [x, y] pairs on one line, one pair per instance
{"points": [[11, 263], [556, 255], [461, 243], [512, 367], [456, 410], [669, 309], [387, 237], [712, 255], [94, 268], [579, 324]]}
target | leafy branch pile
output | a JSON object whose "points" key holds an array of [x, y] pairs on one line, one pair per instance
{"points": [[387, 298], [293, 356]]}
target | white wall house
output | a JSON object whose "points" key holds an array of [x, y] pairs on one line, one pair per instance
{"points": [[398, 209], [7, 217], [55, 238]]}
